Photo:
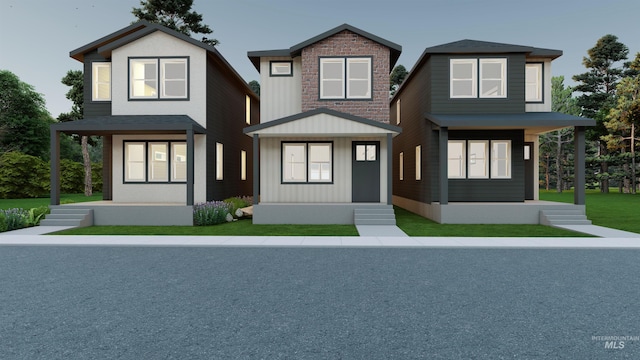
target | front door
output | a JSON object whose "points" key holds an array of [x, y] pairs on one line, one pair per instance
{"points": [[365, 185], [529, 163]]}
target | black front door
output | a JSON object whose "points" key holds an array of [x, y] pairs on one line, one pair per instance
{"points": [[365, 185], [529, 163]]}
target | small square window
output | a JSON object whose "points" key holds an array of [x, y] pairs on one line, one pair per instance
{"points": [[281, 68]]}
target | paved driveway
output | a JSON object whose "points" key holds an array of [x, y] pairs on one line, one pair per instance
{"points": [[324, 303]]}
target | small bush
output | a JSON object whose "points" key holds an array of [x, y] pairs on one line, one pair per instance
{"points": [[211, 213], [16, 218], [3, 221], [71, 177], [238, 202], [23, 176], [96, 176], [37, 214]]}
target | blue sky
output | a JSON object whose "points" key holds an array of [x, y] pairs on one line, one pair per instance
{"points": [[37, 35]]}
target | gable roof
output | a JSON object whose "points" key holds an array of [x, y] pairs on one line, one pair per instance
{"points": [[105, 45], [323, 128], [296, 50], [471, 47]]}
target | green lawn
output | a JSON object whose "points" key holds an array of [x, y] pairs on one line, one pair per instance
{"points": [[37, 202], [614, 210]]}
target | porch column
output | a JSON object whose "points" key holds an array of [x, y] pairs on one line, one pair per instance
{"points": [[579, 166], [55, 167], [389, 169], [256, 169], [443, 160], [190, 167]]}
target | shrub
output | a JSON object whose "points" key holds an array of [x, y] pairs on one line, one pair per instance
{"points": [[23, 176], [238, 202], [16, 218], [211, 213], [71, 177], [37, 214], [3, 221], [96, 176]]}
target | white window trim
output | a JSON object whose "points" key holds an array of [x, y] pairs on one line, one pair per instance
{"points": [[153, 161], [306, 163], [174, 162], [346, 78], [503, 79], [419, 162], [147, 162], [539, 83], [323, 80], [96, 82], [275, 63], [471, 159], [247, 109], [164, 80], [243, 165], [474, 78], [494, 160], [127, 162], [366, 60], [401, 163], [398, 112], [462, 159]]}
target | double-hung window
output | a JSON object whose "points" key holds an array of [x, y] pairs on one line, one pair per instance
{"points": [[155, 161], [158, 78], [345, 78], [533, 82], [101, 81], [307, 162], [473, 78]]}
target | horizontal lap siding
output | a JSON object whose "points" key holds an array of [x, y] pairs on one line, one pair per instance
{"points": [[225, 122], [443, 104], [492, 189], [415, 131]]}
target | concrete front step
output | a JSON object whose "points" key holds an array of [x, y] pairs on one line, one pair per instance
{"points": [[375, 216], [563, 217], [68, 217]]}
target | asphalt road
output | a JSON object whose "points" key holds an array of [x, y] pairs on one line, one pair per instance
{"points": [[323, 303]]}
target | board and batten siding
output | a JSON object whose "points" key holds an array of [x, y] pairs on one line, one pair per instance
{"points": [[272, 190], [440, 80], [159, 44], [545, 106], [280, 96]]}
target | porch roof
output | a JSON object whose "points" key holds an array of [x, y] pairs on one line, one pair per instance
{"points": [[127, 124], [534, 122], [322, 122]]}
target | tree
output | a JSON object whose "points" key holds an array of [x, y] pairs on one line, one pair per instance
{"points": [[24, 120], [398, 74], [623, 121], [176, 15], [255, 86], [598, 86], [74, 79]]}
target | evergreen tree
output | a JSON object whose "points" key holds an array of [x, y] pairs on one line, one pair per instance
{"points": [[176, 15], [398, 74]]}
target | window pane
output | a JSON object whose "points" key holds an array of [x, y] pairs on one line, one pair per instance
{"points": [[371, 152], [158, 164], [418, 162], [179, 162], [462, 88], [533, 80], [144, 75], [462, 71], [281, 68], [101, 82], [493, 77], [219, 161], [456, 167], [174, 78], [361, 152], [331, 78], [243, 165], [332, 89], [294, 162], [501, 159], [359, 89], [463, 78], [320, 162], [477, 159], [401, 164], [134, 167], [332, 69], [247, 109]]}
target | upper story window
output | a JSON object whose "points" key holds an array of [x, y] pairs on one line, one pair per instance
{"points": [[281, 68], [533, 82], [345, 78], [247, 109], [158, 78], [101, 81], [473, 78]]}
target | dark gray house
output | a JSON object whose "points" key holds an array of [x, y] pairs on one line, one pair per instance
{"points": [[471, 113], [171, 112]]}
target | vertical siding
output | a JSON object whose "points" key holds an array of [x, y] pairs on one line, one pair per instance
{"points": [[415, 131], [280, 96], [93, 108], [225, 122], [513, 103], [493, 190]]}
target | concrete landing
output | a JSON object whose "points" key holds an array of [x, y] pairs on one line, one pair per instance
{"points": [[600, 231], [380, 231]]}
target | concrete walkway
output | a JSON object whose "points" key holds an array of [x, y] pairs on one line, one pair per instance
{"points": [[600, 231], [32, 236], [380, 230]]}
